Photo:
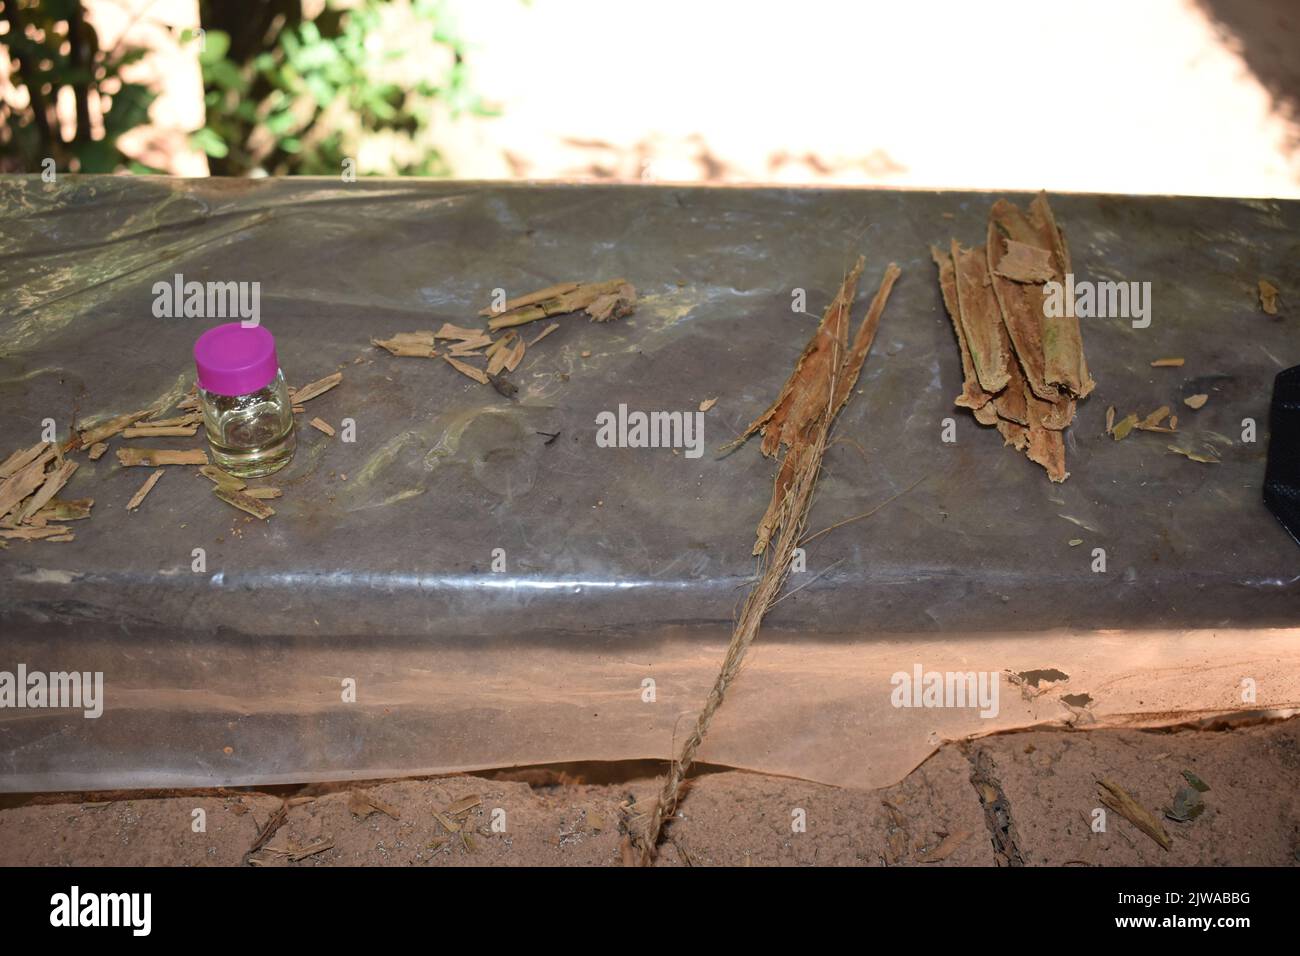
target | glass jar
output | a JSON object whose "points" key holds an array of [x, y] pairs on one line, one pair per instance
{"points": [[247, 412]]}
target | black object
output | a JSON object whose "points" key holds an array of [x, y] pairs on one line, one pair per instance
{"points": [[1282, 476]]}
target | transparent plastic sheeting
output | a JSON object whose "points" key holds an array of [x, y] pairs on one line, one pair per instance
{"points": [[622, 566]]}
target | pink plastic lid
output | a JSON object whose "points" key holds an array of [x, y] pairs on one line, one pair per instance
{"points": [[233, 360]]}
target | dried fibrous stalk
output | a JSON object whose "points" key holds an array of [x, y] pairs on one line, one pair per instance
{"points": [[800, 420]]}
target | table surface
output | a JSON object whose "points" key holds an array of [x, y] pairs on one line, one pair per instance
{"points": [[620, 544]]}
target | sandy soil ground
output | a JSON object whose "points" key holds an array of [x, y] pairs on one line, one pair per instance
{"points": [[1015, 799]]}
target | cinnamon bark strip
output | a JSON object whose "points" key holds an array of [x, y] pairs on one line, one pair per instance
{"points": [[972, 395], [466, 369], [532, 298], [54, 481], [243, 502], [153, 457], [408, 344], [138, 498], [1046, 445], [1022, 315], [316, 388], [21, 459], [603, 301], [981, 318], [1064, 364], [160, 431], [23, 482], [106, 430]]}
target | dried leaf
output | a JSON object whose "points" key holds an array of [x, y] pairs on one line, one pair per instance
{"points": [[1168, 363], [97, 450], [147, 487], [1268, 293], [707, 404], [321, 425], [946, 847], [1124, 426], [1202, 457], [264, 493], [153, 457], [364, 804], [1152, 422], [1196, 781], [1196, 401], [1187, 805], [1110, 419], [60, 510]]}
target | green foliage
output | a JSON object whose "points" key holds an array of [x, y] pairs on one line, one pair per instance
{"points": [[291, 96], [303, 103], [39, 31]]}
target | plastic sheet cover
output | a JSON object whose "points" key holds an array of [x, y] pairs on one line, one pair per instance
{"points": [[372, 627]]}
